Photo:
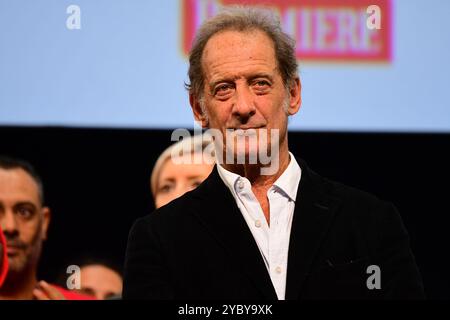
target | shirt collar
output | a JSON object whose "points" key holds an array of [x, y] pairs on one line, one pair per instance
{"points": [[228, 177], [288, 181]]}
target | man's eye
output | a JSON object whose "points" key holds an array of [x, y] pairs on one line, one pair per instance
{"points": [[25, 212], [261, 84], [223, 89]]}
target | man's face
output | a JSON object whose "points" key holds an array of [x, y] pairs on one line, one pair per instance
{"points": [[23, 219], [243, 86]]}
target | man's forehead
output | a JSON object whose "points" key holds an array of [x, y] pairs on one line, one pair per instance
{"points": [[17, 184], [239, 49], [227, 38]]}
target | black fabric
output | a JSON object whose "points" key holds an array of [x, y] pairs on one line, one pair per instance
{"points": [[200, 247]]}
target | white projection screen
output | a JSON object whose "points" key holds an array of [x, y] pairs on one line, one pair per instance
{"points": [[123, 64]]}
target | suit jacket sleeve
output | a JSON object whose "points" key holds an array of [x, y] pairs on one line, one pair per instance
{"points": [[146, 275], [400, 277]]}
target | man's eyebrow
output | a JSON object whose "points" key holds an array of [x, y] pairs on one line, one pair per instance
{"points": [[261, 75], [232, 79], [25, 203]]}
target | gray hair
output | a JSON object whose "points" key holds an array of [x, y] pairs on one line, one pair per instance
{"points": [[242, 19]]}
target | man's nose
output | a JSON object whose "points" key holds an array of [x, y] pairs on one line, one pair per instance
{"points": [[244, 106], [8, 223]]}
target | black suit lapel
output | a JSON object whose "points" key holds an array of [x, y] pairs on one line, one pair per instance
{"points": [[218, 212], [314, 210]]}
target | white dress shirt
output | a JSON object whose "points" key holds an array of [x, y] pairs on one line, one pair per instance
{"points": [[273, 241]]}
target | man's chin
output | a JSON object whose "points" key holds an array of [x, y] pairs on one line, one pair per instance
{"points": [[245, 155], [16, 263]]}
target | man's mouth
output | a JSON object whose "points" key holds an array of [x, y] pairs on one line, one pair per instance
{"points": [[246, 128], [13, 250]]}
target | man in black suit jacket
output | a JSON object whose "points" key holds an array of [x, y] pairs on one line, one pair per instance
{"points": [[311, 238], [199, 247]]}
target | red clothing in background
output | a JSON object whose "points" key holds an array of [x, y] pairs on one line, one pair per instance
{"points": [[70, 295], [3, 259]]}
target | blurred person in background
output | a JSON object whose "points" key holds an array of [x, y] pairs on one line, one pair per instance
{"points": [[99, 278], [25, 219], [171, 178], [100, 281]]}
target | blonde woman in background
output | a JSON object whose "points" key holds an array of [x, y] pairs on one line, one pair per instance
{"points": [[176, 172]]}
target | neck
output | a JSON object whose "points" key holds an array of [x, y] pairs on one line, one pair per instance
{"points": [[253, 171], [19, 286], [262, 183]]}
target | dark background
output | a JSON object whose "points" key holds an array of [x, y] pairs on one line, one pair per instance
{"points": [[97, 184]]}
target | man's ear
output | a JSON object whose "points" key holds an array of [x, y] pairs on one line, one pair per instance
{"points": [[295, 96], [199, 113], [46, 217]]}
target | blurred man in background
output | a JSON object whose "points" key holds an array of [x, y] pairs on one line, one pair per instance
{"points": [[24, 220]]}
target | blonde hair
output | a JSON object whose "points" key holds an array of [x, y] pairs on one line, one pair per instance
{"points": [[194, 144]]}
